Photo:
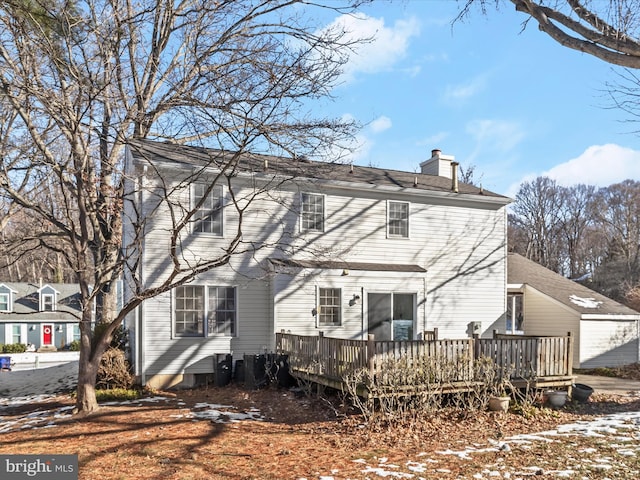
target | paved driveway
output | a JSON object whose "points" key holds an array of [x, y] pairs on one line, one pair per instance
{"points": [[616, 386]]}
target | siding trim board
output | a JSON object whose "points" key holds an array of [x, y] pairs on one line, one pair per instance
{"points": [[587, 316]]}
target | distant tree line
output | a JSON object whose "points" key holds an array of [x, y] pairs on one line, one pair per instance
{"points": [[582, 232]]}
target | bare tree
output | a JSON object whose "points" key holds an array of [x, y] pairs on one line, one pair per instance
{"points": [[617, 214], [575, 224], [535, 215], [80, 78], [606, 29]]}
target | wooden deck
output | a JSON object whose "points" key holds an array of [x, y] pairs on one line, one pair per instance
{"points": [[452, 365]]}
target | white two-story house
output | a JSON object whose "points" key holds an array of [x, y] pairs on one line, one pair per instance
{"points": [[320, 247]]}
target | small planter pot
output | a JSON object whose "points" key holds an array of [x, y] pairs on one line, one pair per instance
{"points": [[581, 392], [557, 398], [499, 404]]}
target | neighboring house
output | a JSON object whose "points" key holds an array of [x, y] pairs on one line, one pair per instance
{"points": [[339, 249], [44, 316], [541, 302]]}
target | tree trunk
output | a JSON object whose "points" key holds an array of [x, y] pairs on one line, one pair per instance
{"points": [[94, 344], [86, 402]]}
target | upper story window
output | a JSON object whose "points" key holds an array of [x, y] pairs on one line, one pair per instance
{"points": [[208, 217], [398, 219], [330, 311], [6, 298], [47, 302], [312, 212], [47, 298], [200, 309], [5, 305]]}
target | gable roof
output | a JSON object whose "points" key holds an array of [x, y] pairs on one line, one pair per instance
{"points": [[26, 302], [576, 296], [291, 167]]}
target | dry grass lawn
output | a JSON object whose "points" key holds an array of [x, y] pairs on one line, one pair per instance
{"points": [[299, 438]]}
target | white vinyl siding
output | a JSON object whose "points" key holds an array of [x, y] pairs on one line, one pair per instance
{"points": [[608, 343], [462, 248], [547, 317]]}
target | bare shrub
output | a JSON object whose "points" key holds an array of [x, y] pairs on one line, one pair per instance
{"points": [[406, 390], [114, 371]]}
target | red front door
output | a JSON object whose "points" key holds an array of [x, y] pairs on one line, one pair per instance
{"points": [[47, 334]]}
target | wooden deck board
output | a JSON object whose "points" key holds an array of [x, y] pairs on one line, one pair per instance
{"points": [[448, 365]]}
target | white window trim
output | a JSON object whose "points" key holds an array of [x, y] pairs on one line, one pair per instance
{"points": [[205, 320], [324, 213], [513, 330], [394, 236], [318, 307], [222, 211], [9, 296], [43, 296], [8, 333]]}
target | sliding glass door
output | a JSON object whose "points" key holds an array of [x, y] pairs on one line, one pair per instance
{"points": [[391, 316]]}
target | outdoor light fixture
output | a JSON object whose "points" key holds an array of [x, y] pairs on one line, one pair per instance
{"points": [[354, 300]]}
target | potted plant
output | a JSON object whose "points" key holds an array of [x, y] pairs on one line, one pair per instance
{"points": [[581, 392], [557, 398], [500, 399]]}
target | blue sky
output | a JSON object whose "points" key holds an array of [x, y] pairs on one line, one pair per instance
{"points": [[513, 103]]}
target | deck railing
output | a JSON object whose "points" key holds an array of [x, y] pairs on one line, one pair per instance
{"points": [[333, 358]]}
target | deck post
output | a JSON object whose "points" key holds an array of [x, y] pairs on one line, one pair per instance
{"points": [[475, 347], [569, 354], [371, 354]]}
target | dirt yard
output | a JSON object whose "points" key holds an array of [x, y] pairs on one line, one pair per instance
{"points": [[175, 436]]}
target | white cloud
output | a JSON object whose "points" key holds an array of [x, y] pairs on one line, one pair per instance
{"points": [[495, 135], [380, 124], [599, 165], [434, 140], [389, 43], [461, 92]]}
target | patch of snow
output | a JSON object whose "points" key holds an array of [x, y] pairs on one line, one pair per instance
{"points": [[585, 302]]}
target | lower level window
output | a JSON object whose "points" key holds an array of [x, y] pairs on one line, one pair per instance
{"points": [[515, 313], [330, 311], [76, 333], [17, 334], [203, 311]]}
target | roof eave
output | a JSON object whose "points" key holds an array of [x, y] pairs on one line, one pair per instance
{"points": [[610, 316]]}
